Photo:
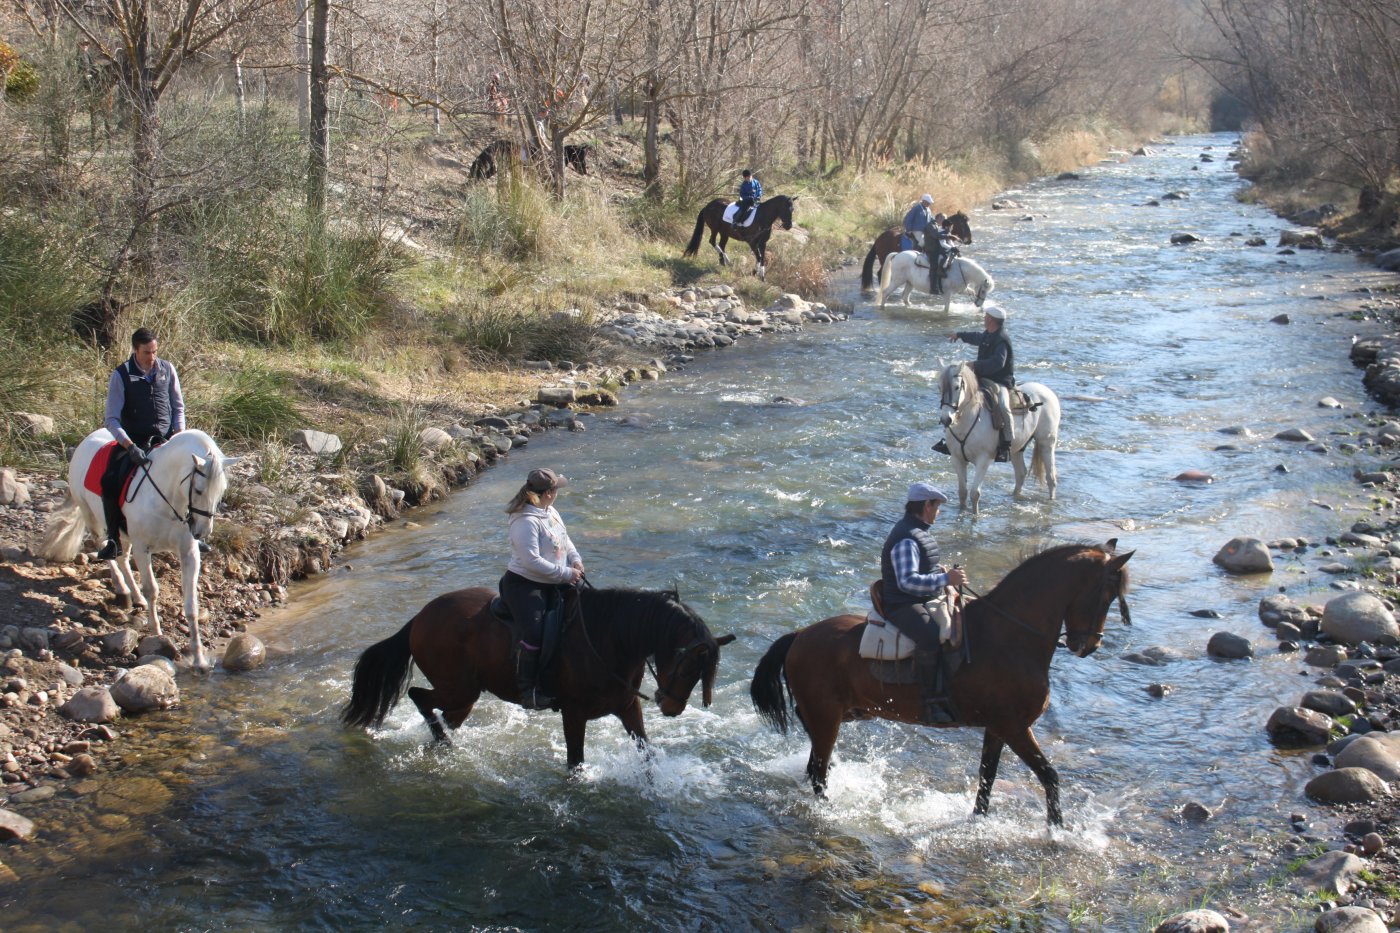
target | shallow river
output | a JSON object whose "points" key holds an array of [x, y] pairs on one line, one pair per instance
{"points": [[253, 809]]}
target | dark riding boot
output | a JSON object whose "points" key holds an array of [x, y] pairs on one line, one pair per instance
{"points": [[1003, 449], [934, 708], [112, 511], [942, 447], [527, 674]]}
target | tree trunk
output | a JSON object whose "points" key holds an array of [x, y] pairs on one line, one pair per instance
{"points": [[556, 161], [651, 106], [303, 59], [436, 65], [239, 92], [320, 112]]}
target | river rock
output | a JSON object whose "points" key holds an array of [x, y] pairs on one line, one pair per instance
{"points": [[1245, 555], [91, 704], [316, 442], [144, 689], [1302, 239], [1277, 608], [1325, 655], [157, 644], [1194, 476], [244, 653], [1356, 617], [1376, 752], [557, 395], [120, 643], [32, 425], [434, 438], [1350, 920], [14, 827], [1194, 921], [1346, 785], [1229, 646], [71, 675], [1294, 434], [1389, 260], [1183, 239], [1332, 872], [1328, 702], [1255, 241], [1295, 727], [159, 660]]}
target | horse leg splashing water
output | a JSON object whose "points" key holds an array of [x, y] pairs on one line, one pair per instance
{"points": [[972, 438], [1012, 633], [170, 509]]}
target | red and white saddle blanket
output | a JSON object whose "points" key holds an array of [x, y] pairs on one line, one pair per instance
{"points": [[92, 480]]}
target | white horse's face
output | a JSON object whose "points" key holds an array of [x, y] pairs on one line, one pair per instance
{"points": [[207, 485], [951, 394]]}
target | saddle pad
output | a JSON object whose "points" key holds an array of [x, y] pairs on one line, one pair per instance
{"points": [[732, 209], [92, 480], [881, 641]]}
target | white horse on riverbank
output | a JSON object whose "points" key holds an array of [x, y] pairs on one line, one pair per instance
{"points": [[972, 438], [903, 271], [169, 507]]}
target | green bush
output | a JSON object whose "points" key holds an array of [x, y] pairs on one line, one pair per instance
{"points": [[511, 219], [256, 405], [41, 280], [507, 332]]}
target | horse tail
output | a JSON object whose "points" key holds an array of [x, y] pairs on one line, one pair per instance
{"points": [[381, 676], [886, 274], [1038, 463], [694, 244], [766, 690], [867, 271], [63, 538]]}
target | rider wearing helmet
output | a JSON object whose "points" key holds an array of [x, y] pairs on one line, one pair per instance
{"points": [[995, 369], [750, 193], [145, 407], [917, 219], [935, 247], [910, 578]]}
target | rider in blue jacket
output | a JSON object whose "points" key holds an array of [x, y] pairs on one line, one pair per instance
{"points": [[918, 217], [750, 193]]}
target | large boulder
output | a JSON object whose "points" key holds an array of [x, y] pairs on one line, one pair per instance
{"points": [[1295, 727], [244, 653], [1328, 702], [1302, 239], [146, 688], [32, 425], [1194, 921], [1389, 260], [1229, 646], [91, 704], [1350, 920], [1346, 785], [1331, 872], [14, 827], [1377, 753], [316, 442], [1245, 555], [1356, 617]]}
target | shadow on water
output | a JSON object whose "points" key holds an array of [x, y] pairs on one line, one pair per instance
{"points": [[252, 809]]}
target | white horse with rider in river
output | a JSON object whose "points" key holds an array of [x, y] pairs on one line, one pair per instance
{"points": [[903, 271]]}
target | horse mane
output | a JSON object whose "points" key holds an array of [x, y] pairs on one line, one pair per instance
{"points": [[1033, 561], [635, 617]]}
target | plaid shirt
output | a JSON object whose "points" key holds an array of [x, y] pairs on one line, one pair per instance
{"points": [[906, 569]]}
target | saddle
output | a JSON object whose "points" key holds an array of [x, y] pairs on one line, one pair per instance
{"points": [[733, 209], [891, 654], [949, 254]]}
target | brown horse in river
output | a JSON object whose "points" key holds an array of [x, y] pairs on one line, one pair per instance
{"points": [[776, 210], [1011, 635], [888, 242], [463, 648]]}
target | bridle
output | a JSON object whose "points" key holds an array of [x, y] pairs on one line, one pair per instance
{"points": [[945, 400], [1112, 584], [191, 510]]}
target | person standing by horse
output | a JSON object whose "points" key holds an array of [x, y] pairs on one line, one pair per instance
{"points": [[750, 193], [544, 566], [916, 220], [911, 578], [145, 407], [995, 369]]}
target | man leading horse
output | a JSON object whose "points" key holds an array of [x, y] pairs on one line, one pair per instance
{"points": [[145, 407], [996, 373]]}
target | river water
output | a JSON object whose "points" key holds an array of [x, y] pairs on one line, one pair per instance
{"points": [[252, 809]]}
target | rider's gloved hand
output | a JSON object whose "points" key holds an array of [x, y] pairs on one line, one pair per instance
{"points": [[137, 456]]}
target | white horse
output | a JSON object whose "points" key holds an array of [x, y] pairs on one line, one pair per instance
{"points": [[170, 507], [972, 438], [902, 271]]}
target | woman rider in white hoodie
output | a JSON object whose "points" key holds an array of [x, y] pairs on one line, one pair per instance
{"points": [[543, 565]]}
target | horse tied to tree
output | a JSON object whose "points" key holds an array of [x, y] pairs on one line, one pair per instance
{"points": [[972, 437], [776, 210], [168, 506], [890, 242], [1002, 685], [464, 648]]}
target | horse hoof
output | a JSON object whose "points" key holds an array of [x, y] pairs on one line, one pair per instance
{"points": [[122, 602]]}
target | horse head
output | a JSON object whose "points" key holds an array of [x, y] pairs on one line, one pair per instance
{"points": [[782, 208], [1088, 613], [957, 389], [690, 657], [958, 226], [200, 481]]}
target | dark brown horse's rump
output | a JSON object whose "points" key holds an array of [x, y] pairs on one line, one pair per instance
{"points": [[464, 650]]}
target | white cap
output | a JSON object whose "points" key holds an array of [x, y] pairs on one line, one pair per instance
{"points": [[926, 492], [926, 199], [994, 311]]}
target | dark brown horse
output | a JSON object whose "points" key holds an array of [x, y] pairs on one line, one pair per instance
{"points": [[463, 649], [1011, 635], [888, 242], [503, 154], [774, 210]]}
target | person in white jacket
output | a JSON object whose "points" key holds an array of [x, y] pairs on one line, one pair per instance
{"points": [[543, 566]]}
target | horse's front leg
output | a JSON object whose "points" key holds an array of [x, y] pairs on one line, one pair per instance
{"points": [[150, 589], [575, 725], [960, 465], [987, 771], [189, 579], [1025, 746], [632, 720], [760, 258], [979, 471]]}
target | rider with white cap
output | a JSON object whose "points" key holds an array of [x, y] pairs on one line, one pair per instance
{"points": [[917, 218], [995, 369], [910, 577]]}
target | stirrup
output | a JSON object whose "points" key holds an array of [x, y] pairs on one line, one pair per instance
{"points": [[109, 550], [535, 698], [942, 447], [935, 711], [1003, 453]]}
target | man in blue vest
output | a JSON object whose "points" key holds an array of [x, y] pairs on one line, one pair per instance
{"points": [[750, 193], [910, 576], [996, 365], [145, 407]]}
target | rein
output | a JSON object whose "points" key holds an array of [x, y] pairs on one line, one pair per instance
{"points": [[1006, 615], [191, 509], [588, 640]]}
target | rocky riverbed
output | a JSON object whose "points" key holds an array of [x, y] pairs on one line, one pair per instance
{"points": [[73, 664]]}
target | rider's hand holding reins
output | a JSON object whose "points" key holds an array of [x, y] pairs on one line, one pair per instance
{"points": [[136, 456], [957, 576]]}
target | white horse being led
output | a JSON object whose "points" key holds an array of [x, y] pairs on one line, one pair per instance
{"points": [[171, 509], [971, 437], [903, 271]]}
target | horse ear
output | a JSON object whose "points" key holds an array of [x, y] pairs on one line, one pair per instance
{"points": [[1118, 562], [229, 461], [725, 639], [1111, 546]]}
